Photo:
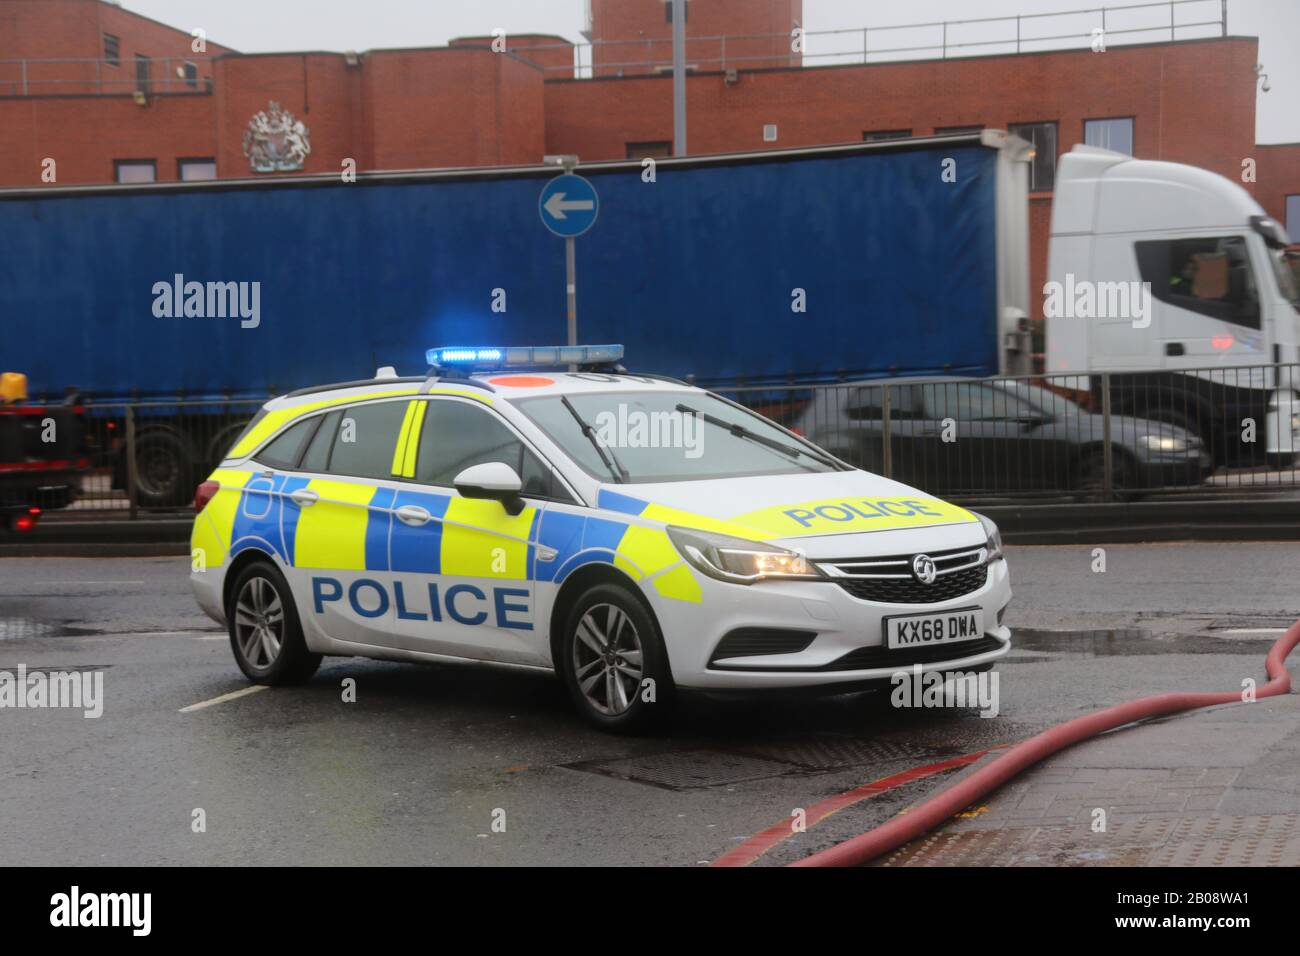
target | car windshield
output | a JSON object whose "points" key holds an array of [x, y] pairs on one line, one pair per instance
{"points": [[1286, 278], [668, 436]]}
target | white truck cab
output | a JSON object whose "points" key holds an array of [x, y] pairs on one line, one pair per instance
{"points": [[1172, 279]]}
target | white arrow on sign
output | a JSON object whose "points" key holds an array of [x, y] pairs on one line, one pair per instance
{"points": [[556, 206]]}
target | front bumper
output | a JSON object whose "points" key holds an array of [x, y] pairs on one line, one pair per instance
{"points": [[839, 625], [1174, 472]]}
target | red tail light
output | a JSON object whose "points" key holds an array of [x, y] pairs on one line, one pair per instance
{"points": [[28, 521], [205, 493]]}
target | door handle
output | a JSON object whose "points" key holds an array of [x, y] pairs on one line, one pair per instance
{"points": [[413, 515], [304, 497], [1174, 348]]}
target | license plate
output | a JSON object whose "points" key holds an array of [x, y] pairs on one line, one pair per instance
{"points": [[926, 630]]}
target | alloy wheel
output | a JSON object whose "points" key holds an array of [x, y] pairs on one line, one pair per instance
{"points": [[259, 623], [607, 659]]}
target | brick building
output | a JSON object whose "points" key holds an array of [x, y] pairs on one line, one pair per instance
{"points": [[107, 94]]}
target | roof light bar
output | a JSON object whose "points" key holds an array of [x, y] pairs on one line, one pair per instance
{"points": [[533, 357]]}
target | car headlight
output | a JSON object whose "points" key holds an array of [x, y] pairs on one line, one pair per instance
{"points": [[739, 560], [993, 544], [1164, 443]]}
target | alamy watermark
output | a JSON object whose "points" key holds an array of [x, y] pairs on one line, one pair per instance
{"points": [[939, 689], [74, 909], [77, 690], [633, 428], [209, 300], [1085, 299]]}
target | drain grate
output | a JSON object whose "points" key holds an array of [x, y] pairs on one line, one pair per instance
{"points": [[834, 753], [688, 769]]}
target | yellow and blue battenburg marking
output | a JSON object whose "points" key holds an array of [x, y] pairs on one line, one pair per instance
{"points": [[352, 526]]}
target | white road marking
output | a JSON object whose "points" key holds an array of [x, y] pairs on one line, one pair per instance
{"points": [[64, 584], [234, 694], [1251, 630]]}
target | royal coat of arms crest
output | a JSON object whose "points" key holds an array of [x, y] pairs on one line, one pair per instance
{"points": [[276, 142]]}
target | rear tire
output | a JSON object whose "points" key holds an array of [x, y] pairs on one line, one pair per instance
{"points": [[613, 662], [265, 630]]}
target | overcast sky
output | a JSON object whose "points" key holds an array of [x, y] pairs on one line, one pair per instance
{"points": [[271, 25]]}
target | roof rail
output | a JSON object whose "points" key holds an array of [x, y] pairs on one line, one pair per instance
{"points": [[358, 383], [441, 375], [620, 370]]}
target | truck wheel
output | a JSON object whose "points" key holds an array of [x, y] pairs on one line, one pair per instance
{"points": [[222, 443], [265, 631], [164, 469], [613, 661]]}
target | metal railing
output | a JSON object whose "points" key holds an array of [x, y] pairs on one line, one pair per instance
{"points": [[941, 39], [126, 75], [1112, 436], [148, 457]]}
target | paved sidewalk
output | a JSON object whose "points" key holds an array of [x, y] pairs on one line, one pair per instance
{"points": [[1218, 787]]}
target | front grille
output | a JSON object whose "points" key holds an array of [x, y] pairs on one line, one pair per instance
{"points": [[889, 579], [911, 591], [759, 641], [874, 658]]}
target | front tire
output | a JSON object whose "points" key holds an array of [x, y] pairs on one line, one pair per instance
{"points": [[265, 631], [612, 660]]}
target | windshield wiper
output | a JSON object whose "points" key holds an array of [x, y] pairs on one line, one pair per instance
{"points": [[740, 431], [606, 455]]}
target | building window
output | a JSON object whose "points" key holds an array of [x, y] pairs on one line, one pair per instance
{"points": [[191, 74], [654, 149], [884, 135], [135, 171], [112, 50], [1042, 171], [957, 130], [1293, 217], [142, 73], [195, 170], [1116, 134], [668, 11]]}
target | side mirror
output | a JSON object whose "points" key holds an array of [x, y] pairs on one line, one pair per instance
{"points": [[495, 481]]}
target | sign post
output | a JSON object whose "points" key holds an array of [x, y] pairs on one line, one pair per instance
{"points": [[568, 206]]}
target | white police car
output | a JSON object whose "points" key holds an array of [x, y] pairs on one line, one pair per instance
{"points": [[632, 533]]}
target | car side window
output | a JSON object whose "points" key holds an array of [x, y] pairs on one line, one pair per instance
{"points": [[284, 451], [365, 440], [318, 452], [457, 435], [865, 404], [968, 402], [1211, 276]]}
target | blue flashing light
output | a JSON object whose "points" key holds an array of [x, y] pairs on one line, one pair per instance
{"points": [[460, 355], [532, 357]]}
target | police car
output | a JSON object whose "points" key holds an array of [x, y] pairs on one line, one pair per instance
{"points": [[544, 508]]}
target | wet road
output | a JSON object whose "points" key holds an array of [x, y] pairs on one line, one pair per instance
{"points": [[447, 765]]}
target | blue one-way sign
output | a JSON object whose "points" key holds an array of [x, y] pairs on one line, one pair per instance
{"points": [[568, 205]]}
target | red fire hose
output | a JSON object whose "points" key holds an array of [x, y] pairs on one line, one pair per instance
{"points": [[946, 803]]}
